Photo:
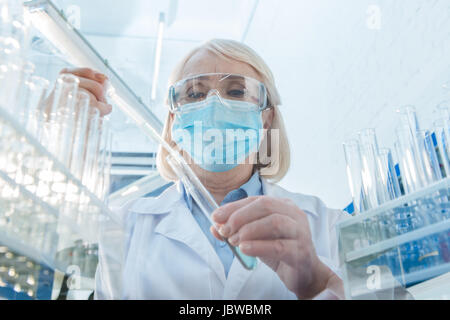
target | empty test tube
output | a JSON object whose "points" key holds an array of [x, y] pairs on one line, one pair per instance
{"points": [[388, 174], [354, 169], [372, 184], [80, 135]]}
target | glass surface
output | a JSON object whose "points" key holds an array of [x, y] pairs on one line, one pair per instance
{"points": [[388, 175], [413, 248], [236, 87], [354, 170], [442, 135], [206, 203], [372, 184]]}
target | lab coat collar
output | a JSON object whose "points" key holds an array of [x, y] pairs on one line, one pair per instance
{"points": [[180, 225], [158, 205], [164, 202]]}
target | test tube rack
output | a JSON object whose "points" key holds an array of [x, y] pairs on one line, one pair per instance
{"points": [[410, 235]]}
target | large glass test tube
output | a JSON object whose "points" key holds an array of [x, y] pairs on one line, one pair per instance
{"points": [[205, 201], [354, 170], [372, 184], [388, 174], [409, 133]]}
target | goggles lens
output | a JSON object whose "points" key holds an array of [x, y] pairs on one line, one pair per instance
{"points": [[227, 86]]}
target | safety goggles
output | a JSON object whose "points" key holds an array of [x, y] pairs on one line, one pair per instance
{"points": [[194, 90]]}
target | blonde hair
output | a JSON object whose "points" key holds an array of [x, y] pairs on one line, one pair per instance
{"points": [[277, 168]]}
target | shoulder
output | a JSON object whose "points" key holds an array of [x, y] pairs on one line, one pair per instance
{"points": [[149, 205]]}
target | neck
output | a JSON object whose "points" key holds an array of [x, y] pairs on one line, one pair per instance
{"points": [[219, 184]]}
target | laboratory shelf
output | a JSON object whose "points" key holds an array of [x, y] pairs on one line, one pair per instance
{"points": [[434, 187], [47, 215], [61, 218], [54, 26], [52, 23], [397, 241], [425, 274], [352, 227], [406, 239], [23, 248]]}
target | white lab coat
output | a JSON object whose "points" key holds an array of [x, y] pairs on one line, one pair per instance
{"points": [[167, 256]]}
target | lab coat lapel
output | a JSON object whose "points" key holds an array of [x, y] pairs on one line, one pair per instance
{"points": [[180, 225], [237, 278]]}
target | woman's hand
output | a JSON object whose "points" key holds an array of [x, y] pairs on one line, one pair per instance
{"points": [[94, 84], [277, 231]]}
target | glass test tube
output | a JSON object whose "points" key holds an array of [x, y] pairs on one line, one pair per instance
{"points": [[428, 156], [92, 142], [17, 74], [66, 120], [442, 138], [20, 90], [388, 174], [65, 84], [205, 201], [373, 188], [32, 100], [442, 131], [15, 77], [411, 178], [60, 103], [107, 168], [354, 170], [80, 136], [56, 136], [104, 159], [410, 129], [38, 92]]}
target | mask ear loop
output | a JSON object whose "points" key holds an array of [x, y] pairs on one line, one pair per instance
{"points": [[263, 97]]}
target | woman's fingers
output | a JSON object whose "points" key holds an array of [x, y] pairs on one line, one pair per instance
{"points": [[222, 214], [215, 233], [104, 108], [274, 250], [235, 215], [250, 211], [87, 73], [93, 82], [274, 226], [94, 87]]}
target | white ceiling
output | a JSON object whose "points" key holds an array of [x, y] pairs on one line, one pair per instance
{"points": [[340, 66]]}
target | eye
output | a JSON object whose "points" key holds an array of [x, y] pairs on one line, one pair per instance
{"points": [[236, 93], [196, 95]]}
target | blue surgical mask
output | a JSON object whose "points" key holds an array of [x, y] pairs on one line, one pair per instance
{"points": [[218, 134]]}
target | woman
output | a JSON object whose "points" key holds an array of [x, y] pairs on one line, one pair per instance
{"points": [[171, 251]]}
